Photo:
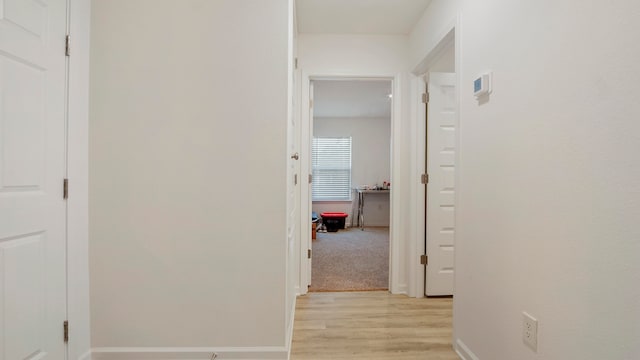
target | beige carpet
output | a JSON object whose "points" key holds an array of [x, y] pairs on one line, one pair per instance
{"points": [[351, 259]]}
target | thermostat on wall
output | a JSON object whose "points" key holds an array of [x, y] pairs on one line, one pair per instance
{"points": [[482, 85]]}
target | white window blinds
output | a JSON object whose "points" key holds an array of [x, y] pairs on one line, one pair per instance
{"points": [[331, 163]]}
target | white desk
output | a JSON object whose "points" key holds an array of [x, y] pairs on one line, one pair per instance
{"points": [[361, 196]]}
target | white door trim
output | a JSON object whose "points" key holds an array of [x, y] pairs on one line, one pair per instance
{"points": [[78, 174], [305, 195], [417, 232], [395, 255]]}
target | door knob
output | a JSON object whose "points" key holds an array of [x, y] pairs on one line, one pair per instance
{"points": [[295, 156]]}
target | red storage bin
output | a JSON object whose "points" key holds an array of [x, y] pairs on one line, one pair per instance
{"points": [[334, 221]]}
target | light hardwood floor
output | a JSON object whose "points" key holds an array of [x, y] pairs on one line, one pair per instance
{"points": [[371, 325]]}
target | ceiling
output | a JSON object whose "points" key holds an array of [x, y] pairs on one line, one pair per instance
{"points": [[352, 98], [392, 17]]}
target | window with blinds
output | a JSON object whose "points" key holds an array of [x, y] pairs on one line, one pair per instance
{"points": [[331, 166]]}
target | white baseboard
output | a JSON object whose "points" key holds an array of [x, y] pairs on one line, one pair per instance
{"points": [[370, 225], [198, 353], [463, 351], [85, 356], [400, 289]]}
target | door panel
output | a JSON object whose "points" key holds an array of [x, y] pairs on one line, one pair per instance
{"points": [[441, 128], [308, 259], [32, 169], [23, 145], [23, 265]]}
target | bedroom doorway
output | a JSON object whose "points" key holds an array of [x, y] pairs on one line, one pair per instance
{"points": [[350, 137]]}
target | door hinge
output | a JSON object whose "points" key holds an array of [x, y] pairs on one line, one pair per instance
{"points": [[295, 62], [424, 260], [310, 178], [65, 326], [425, 97], [67, 45], [65, 188], [295, 179], [424, 179], [310, 103], [308, 253]]}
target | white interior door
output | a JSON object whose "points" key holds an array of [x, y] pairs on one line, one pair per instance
{"points": [[309, 257], [32, 169], [441, 148]]}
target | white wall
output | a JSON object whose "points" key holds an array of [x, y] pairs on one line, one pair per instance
{"points": [[548, 197], [188, 248], [377, 56], [370, 163], [434, 24], [352, 54]]}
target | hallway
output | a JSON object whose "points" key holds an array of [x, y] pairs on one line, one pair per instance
{"points": [[371, 325]]}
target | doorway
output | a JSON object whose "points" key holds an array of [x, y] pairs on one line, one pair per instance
{"points": [[437, 124], [351, 171]]}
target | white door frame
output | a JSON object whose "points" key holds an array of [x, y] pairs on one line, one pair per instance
{"points": [[395, 255], [305, 193], [78, 174], [418, 128]]}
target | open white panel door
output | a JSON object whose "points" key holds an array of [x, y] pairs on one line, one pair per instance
{"points": [[441, 148], [306, 136], [309, 199], [32, 169]]}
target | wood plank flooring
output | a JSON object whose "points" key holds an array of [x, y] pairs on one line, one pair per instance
{"points": [[371, 325]]}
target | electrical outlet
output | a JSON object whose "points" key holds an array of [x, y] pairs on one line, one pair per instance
{"points": [[530, 331]]}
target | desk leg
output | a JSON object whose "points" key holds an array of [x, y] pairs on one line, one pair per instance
{"points": [[361, 210], [357, 209]]}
